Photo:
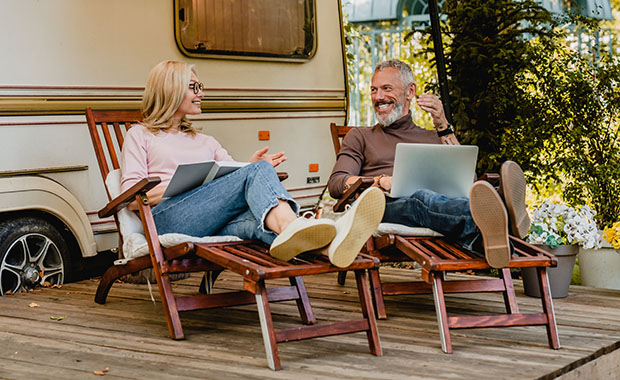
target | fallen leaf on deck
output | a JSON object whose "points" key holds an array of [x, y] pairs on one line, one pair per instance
{"points": [[56, 286], [101, 373], [59, 318], [33, 304], [46, 284], [8, 292]]}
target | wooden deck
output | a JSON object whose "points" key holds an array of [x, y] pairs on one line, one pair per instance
{"points": [[128, 336]]}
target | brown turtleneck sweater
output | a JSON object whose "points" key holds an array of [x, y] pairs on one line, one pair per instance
{"points": [[369, 152]]}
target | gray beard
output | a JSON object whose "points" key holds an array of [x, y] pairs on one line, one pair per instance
{"points": [[392, 117]]}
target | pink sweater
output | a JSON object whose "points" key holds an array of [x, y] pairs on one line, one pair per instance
{"points": [[146, 154]]}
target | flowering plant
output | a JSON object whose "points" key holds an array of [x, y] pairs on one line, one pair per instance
{"points": [[554, 224], [612, 235]]}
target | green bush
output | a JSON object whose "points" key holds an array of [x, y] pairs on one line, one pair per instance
{"points": [[490, 41]]}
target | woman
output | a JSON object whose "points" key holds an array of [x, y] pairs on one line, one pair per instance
{"points": [[250, 202]]}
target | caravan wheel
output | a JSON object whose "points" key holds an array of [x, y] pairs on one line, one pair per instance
{"points": [[32, 252]]}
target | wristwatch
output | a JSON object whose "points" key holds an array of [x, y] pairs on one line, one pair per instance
{"points": [[445, 132]]}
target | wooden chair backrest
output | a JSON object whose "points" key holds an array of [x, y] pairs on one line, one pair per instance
{"points": [[109, 126], [338, 133]]}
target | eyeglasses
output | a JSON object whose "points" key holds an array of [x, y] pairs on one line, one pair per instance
{"points": [[196, 87]]}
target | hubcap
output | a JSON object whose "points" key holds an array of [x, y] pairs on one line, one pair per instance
{"points": [[31, 260]]}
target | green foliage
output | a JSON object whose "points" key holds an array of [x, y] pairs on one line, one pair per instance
{"points": [[576, 105], [590, 151], [519, 92], [489, 40]]}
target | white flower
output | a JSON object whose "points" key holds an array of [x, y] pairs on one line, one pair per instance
{"points": [[555, 223]]}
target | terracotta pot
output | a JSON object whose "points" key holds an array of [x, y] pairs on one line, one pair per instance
{"points": [[559, 277], [600, 268]]}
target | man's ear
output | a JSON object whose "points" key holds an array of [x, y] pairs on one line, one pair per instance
{"points": [[411, 91]]}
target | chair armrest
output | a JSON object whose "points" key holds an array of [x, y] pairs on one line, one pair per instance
{"points": [[127, 196], [349, 196], [282, 176]]}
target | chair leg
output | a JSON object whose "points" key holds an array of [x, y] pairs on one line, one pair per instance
{"points": [[266, 325], [303, 303], [377, 293], [170, 307], [442, 314], [510, 298], [342, 277], [117, 271], [367, 311], [105, 284], [547, 305]]}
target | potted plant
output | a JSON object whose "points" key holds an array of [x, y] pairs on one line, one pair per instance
{"points": [[601, 268], [560, 230]]}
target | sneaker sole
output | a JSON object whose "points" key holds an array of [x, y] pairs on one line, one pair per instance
{"points": [[489, 213], [307, 239], [355, 227], [513, 188]]}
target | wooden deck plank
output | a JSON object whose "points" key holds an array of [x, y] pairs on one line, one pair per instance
{"points": [[129, 335]]}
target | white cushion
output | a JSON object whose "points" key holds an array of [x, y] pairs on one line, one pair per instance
{"points": [[135, 245], [402, 230], [134, 242], [129, 221]]}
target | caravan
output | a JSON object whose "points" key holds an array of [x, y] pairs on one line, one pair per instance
{"points": [[274, 73]]}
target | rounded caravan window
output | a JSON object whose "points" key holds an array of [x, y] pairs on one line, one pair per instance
{"points": [[250, 29]]}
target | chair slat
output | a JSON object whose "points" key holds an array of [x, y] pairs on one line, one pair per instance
{"points": [[111, 150], [119, 134]]}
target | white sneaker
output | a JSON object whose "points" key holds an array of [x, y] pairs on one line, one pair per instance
{"points": [[356, 226], [302, 235]]}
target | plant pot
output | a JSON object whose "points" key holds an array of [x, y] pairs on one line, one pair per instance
{"points": [[600, 268], [559, 277]]}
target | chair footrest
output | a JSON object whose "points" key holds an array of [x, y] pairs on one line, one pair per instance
{"points": [[252, 261], [316, 331], [210, 301], [437, 255], [505, 320], [454, 286]]}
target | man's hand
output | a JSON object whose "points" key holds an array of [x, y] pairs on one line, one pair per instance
{"points": [[431, 104], [274, 159], [384, 182]]}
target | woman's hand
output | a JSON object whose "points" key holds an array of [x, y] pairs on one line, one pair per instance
{"points": [[274, 159]]}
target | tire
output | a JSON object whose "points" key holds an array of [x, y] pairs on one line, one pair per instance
{"points": [[32, 253]]}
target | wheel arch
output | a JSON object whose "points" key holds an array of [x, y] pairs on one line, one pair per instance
{"points": [[42, 196]]}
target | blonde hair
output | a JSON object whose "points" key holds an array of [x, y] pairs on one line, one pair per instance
{"points": [[164, 92]]}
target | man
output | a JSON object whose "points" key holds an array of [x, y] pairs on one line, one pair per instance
{"points": [[369, 152]]}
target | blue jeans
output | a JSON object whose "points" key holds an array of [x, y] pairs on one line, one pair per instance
{"points": [[448, 216], [235, 204]]}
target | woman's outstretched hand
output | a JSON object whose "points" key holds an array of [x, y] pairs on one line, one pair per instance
{"points": [[274, 159]]}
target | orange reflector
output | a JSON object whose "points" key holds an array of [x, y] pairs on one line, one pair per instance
{"points": [[313, 168], [263, 135]]}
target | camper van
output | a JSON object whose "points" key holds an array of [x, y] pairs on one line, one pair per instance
{"points": [[274, 75]]}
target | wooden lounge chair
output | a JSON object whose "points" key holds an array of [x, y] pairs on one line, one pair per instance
{"points": [[437, 256], [249, 259]]}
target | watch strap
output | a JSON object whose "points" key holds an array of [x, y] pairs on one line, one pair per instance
{"points": [[445, 132]]}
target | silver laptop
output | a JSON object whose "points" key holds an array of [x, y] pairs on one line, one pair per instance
{"points": [[446, 169]]}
